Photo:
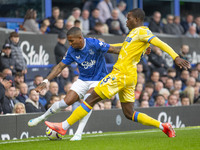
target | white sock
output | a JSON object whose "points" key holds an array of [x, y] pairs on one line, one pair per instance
{"points": [[161, 127], [82, 123], [65, 125], [84, 120], [54, 108]]}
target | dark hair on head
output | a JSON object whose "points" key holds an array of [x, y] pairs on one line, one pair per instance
{"points": [[74, 31], [19, 74], [138, 13], [30, 14], [55, 8], [158, 96]]}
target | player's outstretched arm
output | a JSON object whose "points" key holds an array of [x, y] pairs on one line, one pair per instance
{"points": [[115, 48], [54, 73], [165, 47]]}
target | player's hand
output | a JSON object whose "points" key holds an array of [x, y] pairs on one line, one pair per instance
{"points": [[148, 51], [182, 63], [40, 87]]}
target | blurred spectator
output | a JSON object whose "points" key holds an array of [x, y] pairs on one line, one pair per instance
{"points": [[60, 48], [149, 87], [172, 100], [169, 84], [76, 12], [68, 25], [141, 78], [5, 84], [158, 86], [194, 73], [192, 32], [189, 91], [178, 95], [53, 90], [19, 78], [184, 53], [120, 8], [1, 77], [17, 52], [58, 26], [7, 60], [144, 104], [67, 86], [184, 76], [155, 23], [165, 92], [197, 24], [23, 93], [63, 79], [160, 101], [171, 72], [30, 23], [198, 68], [105, 9], [155, 76], [138, 90], [188, 22], [177, 26], [7, 71], [197, 94], [98, 29], [185, 101], [42, 98], [158, 63], [169, 28], [94, 18], [77, 23], [54, 98], [19, 108], [9, 101], [113, 25], [32, 103], [144, 96], [44, 27], [55, 16], [107, 104], [37, 80], [85, 21], [178, 85]]}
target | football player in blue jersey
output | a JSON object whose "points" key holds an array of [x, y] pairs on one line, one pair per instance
{"points": [[88, 53]]}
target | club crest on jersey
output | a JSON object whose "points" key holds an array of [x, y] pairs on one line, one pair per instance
{"points": [[128, 39], [101, 43], [91, 52], [78, 57], [87, 64]]}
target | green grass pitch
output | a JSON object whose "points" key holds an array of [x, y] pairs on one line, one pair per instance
{"points": [[186, 139]]}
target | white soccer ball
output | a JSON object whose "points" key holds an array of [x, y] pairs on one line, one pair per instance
{"points": [[53, 135]]}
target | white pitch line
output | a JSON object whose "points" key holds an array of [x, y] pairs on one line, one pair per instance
{"points": [[98, 135]]}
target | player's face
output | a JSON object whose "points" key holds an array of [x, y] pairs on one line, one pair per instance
{"points": [[131, 22], [77, 42]]}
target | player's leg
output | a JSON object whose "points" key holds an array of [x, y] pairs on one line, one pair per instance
{"points": [[72, 96], [106, 88], [82, 123], [77, 114], [127, 103], [69, 99]]}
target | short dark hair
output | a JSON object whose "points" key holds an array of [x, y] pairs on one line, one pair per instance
{"points": [[74, 31], [138, 13]]}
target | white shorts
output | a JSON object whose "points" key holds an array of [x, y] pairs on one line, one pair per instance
{"points": [[81, 87]]}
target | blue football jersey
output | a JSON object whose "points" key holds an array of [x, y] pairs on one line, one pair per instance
{"points": [[90, 59]]}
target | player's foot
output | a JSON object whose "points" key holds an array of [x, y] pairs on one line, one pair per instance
{"points": [[76, 137], [56, 127], [35, 121], [168, 130]]}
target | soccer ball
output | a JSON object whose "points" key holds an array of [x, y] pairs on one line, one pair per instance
{"points": [[53, 135]]}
